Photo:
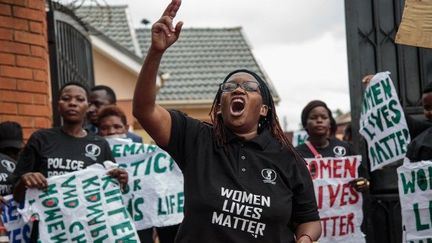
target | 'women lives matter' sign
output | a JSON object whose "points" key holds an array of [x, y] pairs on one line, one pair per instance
{"points": [[415, 193], [339, 204], [382, 122]]}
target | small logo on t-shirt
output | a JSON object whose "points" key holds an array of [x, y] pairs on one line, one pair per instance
{"points": [[269, 176], [339, 151], [92, 151], [9, 165]]}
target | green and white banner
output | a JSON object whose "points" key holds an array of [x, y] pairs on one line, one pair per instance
{"points": [[154, 195], [382, 122], [82, 206], [415, 193]]}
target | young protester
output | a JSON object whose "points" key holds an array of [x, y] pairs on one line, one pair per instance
{"points": [[101, 96], [64, 149], [113, 124], [318, 121], [244, 182]]}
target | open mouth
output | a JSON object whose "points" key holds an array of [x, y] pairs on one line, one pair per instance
{"points": [[237, 106]]}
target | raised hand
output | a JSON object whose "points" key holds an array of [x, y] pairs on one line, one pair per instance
{"points": [[164, 34], [366, 79]]}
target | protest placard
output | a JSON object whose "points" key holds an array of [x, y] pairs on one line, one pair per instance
{"points": [[18, 230], [155, 195], [81, 206], [415, 28], [415, 193], [382, 122], [339, 204]]}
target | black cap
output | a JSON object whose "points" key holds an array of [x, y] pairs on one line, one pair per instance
{"points": [[11, 135]]}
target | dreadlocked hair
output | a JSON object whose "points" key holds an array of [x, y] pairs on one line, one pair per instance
{"points": [[277, 132], [270, 122], [218, 127]]}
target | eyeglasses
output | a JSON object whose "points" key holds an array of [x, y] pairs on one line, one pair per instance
{"points": [[250, 86]]}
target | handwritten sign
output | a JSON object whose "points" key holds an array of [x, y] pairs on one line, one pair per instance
{"points": [[415, 193], [154, 195], [382, 122], [85, 205], [339, 204]]}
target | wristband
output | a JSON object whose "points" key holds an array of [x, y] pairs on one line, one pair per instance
{"points": [[308, 236]]}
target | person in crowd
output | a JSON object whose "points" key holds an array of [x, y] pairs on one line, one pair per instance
{"points": [[101, 96], [347, 135], [427, 101], [420, 147], [243, 180], [113, 124], [317, 119], [11, 144], [68, 142], [11, 139]]}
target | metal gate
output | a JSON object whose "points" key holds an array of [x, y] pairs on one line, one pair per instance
{"points": [[371, 27], [70, 52]]}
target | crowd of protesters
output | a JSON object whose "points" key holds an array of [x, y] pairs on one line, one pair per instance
{"points": [[244, 142]]}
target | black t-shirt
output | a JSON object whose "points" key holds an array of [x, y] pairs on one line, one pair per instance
{"points": [[336, 148], [416, 126], [53, 152], [7, 167], [245, 191], [420, 148]]}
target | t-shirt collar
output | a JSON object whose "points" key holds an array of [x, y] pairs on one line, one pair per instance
{"points": [[262, 140]]}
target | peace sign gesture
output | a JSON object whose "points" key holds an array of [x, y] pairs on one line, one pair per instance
{"points": [[163, 32]]}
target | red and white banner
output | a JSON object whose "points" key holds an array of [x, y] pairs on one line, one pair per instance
{"points": [[339, 204]]}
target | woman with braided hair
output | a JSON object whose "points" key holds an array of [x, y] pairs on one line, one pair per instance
{"points": [[243, 180]]}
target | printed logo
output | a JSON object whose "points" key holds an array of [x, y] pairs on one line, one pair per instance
{"points": [[339, 151], [9, 165], [269, 176], [92, 151]]}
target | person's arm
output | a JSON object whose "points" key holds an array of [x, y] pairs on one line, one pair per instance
{"points": [[305, 215], [26, 174], [29, 180], [308, 232], [361, 183], [152, 117]]}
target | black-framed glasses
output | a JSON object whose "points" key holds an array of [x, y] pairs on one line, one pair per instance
{"points": [[250, 86]]}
